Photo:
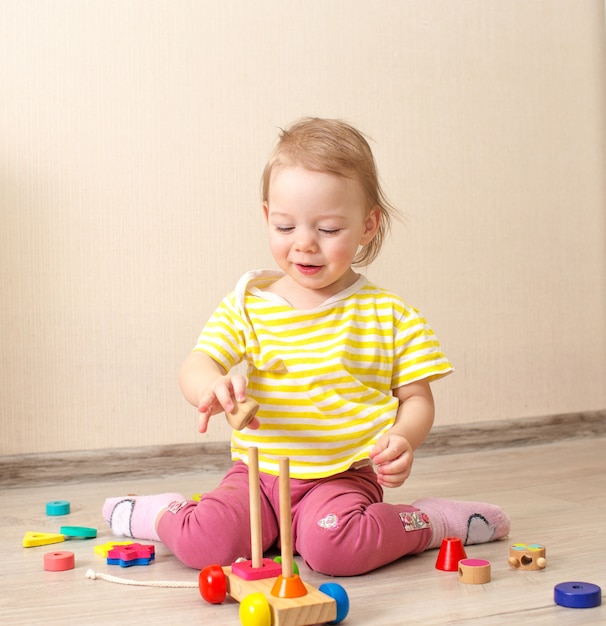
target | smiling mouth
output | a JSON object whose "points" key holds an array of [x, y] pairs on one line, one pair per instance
{"points": [[308, 270]]}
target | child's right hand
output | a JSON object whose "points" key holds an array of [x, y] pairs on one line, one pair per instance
{"points": [[222, 395]]}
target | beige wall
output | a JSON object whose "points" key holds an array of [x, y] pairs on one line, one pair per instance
{"points": [[132, 137]]}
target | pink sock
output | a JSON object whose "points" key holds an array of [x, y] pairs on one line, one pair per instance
{"points": [[135, 516], [472, 522]]}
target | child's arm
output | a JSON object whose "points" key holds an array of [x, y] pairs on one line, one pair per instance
{"points": [[207, 386], [394, 452]]}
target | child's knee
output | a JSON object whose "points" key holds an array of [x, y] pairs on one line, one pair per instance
{"points": [[329, 548], [195, 559], [198, 541], [199, 556], [197, 553]]}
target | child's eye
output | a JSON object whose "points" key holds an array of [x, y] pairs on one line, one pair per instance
{"points": [[284, 229], [330, 231]]}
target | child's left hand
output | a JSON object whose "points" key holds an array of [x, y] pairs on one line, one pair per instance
{"points": [[392, 456]]}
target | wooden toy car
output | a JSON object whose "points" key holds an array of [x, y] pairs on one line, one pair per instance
{"points": [[267, 597]]}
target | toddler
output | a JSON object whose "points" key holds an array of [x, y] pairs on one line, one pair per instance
{"points": [[341, 370]]}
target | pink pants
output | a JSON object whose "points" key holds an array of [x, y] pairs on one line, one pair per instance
{"points": [[341, 526]]}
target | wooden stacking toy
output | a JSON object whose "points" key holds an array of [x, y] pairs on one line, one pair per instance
{"points": [[527, 557]]}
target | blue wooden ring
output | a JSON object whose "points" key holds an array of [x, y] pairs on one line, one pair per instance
{"points": [[57, 507], [577, 595], [78, 531]]}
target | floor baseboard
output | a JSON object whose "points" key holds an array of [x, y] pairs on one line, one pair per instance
{"points": [[158, 461]]}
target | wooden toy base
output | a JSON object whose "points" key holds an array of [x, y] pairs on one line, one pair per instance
{"points": [[313, 608]]}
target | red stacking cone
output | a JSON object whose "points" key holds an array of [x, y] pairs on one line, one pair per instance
{"points": [[451, 552]]}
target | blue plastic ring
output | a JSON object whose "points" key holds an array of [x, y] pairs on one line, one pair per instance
{"points": [[577, 595], [57, 507], [78, 531]]}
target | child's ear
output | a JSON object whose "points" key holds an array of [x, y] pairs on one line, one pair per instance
{"points": [[371, 225], [266, 212]]}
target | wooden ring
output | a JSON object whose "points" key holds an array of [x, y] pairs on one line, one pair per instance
{"points": [[59, 561], [474, 571]]}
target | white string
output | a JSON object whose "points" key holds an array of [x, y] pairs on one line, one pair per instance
{"points": [[90, 573]]}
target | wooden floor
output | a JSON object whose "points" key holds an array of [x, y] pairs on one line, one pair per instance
{"points": [[554, 493]]}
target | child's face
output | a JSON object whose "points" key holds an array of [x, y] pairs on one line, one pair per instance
{"points": [[317, 222]]}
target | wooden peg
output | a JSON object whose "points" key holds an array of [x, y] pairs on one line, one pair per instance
{"points": [[286, 546], [254, 489], [258, 567], [242, 414], [288, 584]]}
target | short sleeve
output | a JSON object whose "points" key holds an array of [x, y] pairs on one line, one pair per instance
{"points": [[223, 336], [418, 355]]}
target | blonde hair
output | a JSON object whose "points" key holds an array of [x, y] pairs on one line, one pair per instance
{"points": [[334, 147]]}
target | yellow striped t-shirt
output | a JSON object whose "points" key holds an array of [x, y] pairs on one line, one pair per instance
{"points": [[323, 377]]}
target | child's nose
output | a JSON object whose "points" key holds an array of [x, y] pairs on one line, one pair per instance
{"points": [[306, 241]]}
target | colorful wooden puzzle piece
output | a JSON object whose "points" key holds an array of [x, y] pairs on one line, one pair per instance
{"points": [[133, 554], [104, 548], [32, 539]]}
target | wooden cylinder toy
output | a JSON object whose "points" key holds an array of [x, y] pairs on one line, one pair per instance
{"points": [[527, 557], [243, 414], [474, 571]]}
